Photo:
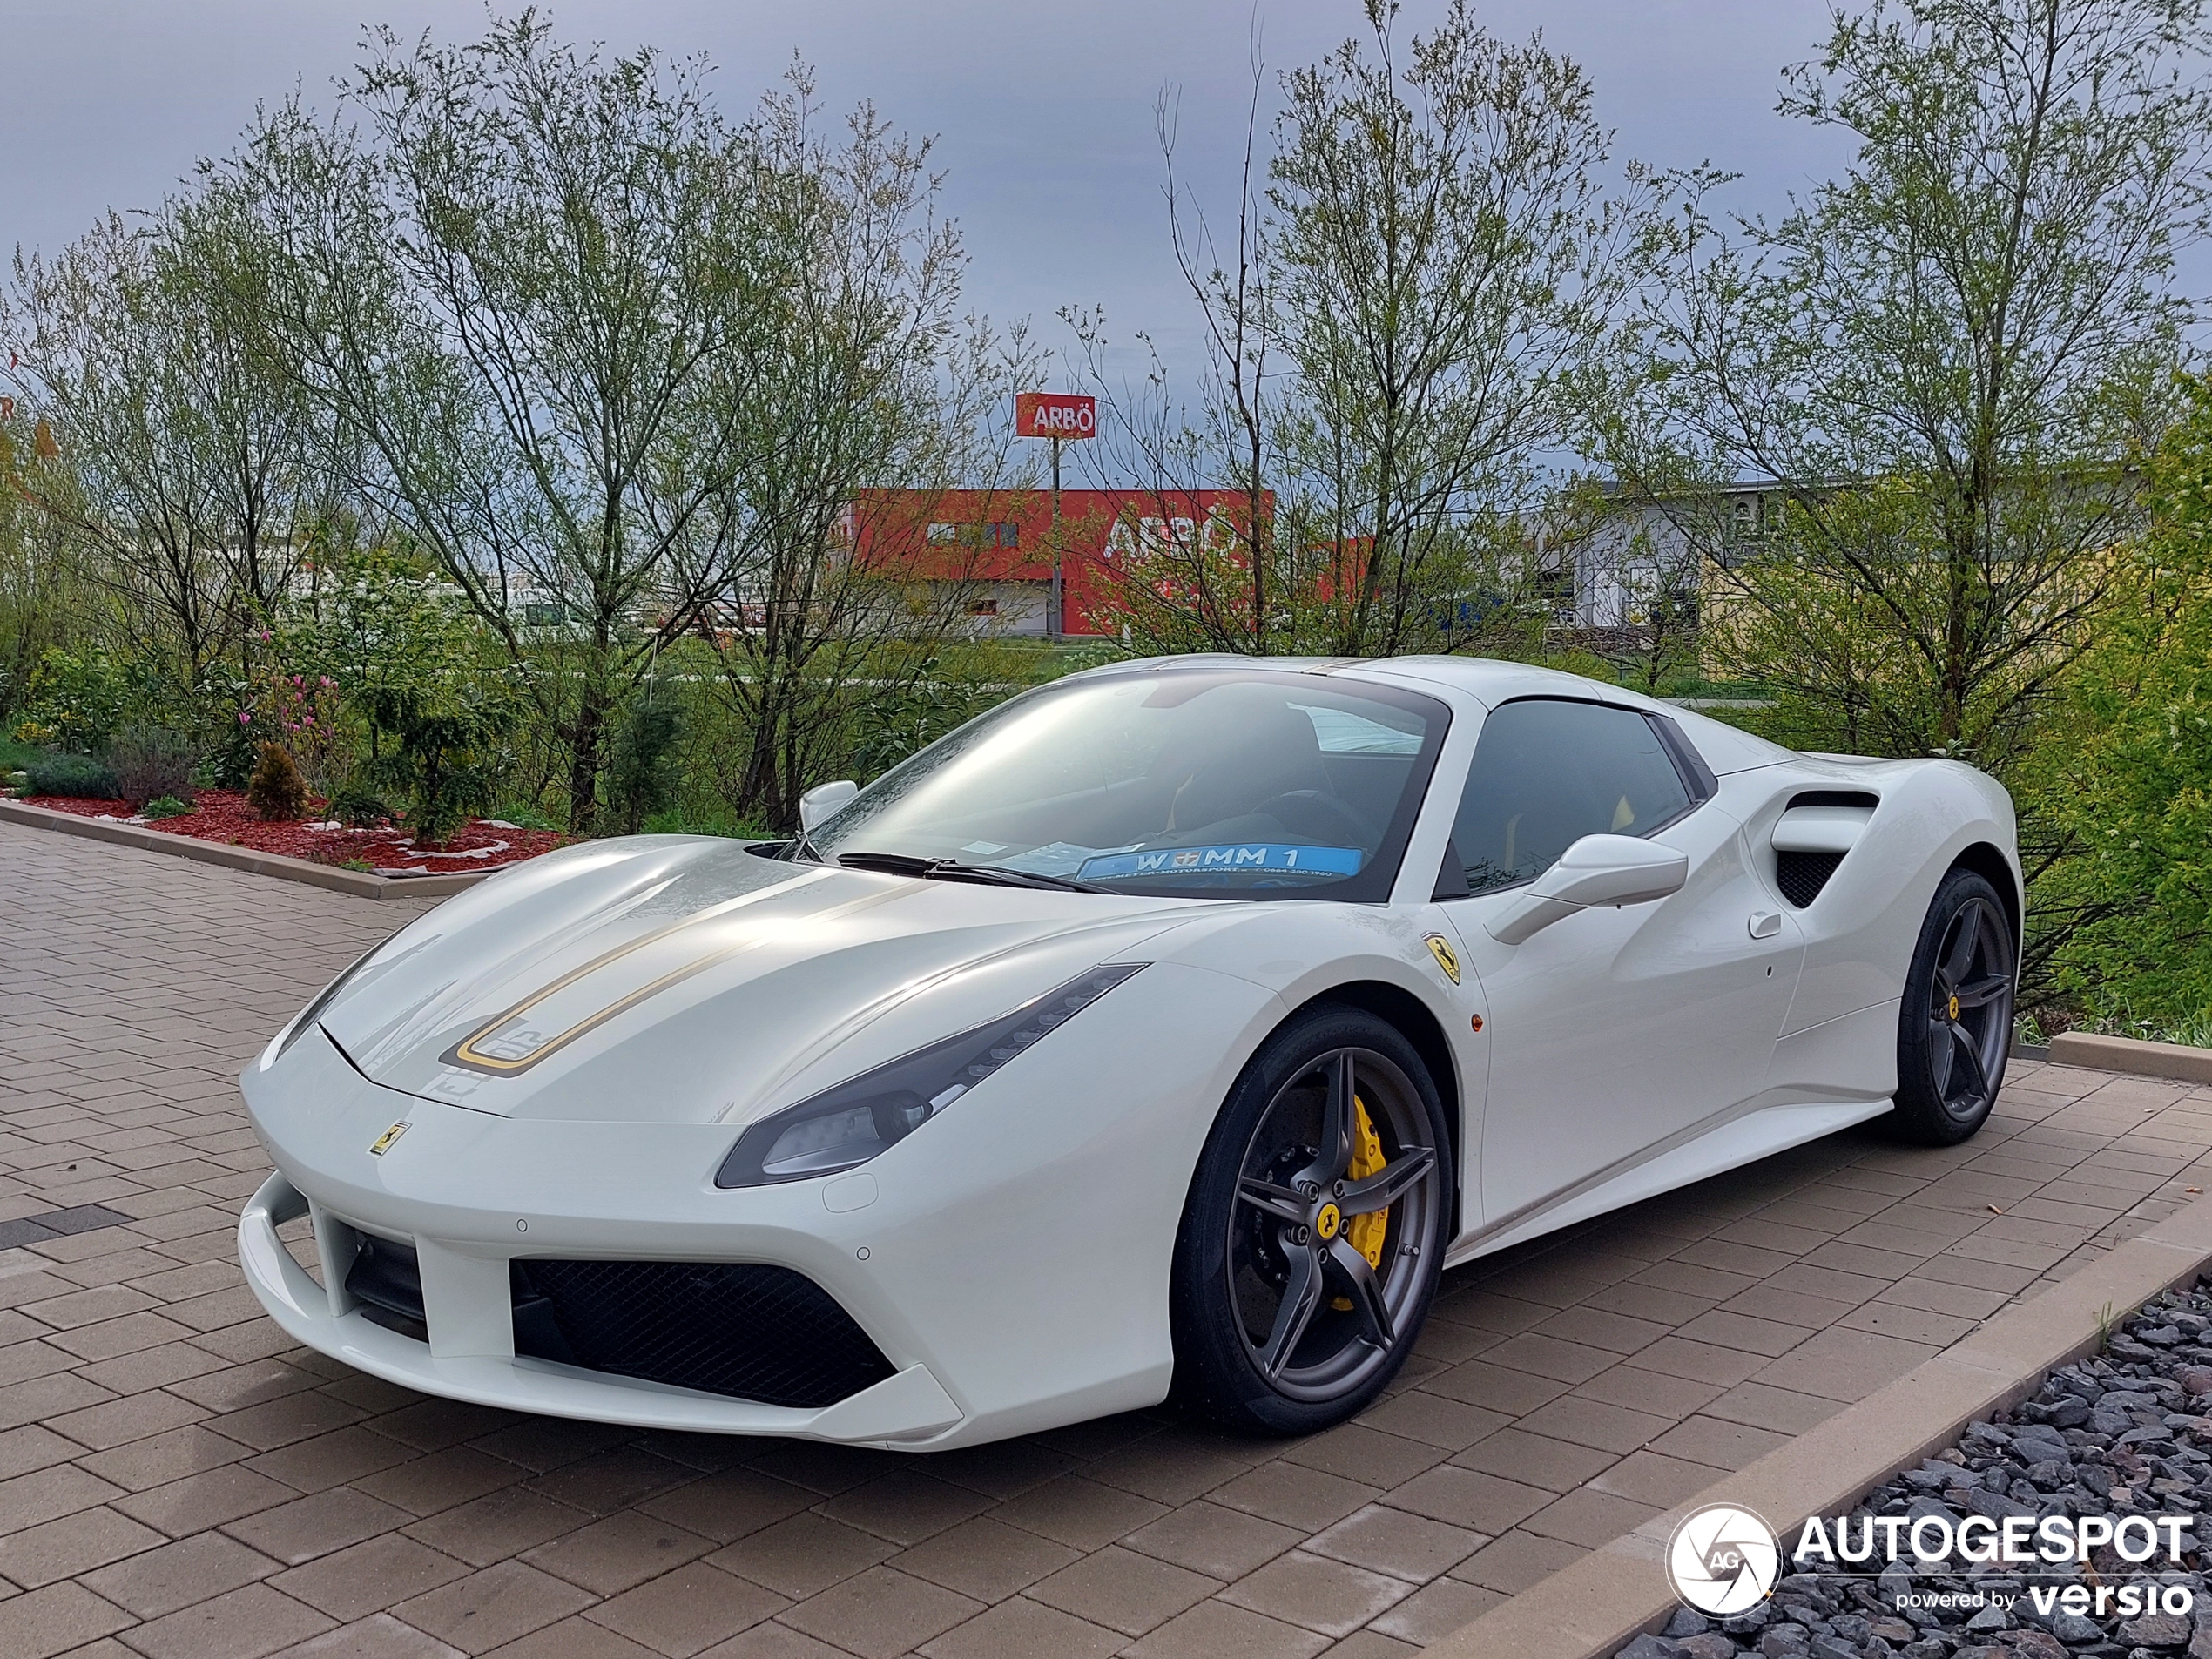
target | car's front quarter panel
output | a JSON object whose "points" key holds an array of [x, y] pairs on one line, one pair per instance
{"points": [[1018, 1245]]}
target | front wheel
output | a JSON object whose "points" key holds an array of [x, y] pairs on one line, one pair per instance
{"points": [[1314, 1231], [1955, 1024]]}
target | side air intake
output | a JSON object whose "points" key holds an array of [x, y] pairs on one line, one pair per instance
{"points": [[1801, 875]]}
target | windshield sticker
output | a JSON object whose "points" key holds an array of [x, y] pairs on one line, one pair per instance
{"points": [[1057, 858], [1234, 858]]}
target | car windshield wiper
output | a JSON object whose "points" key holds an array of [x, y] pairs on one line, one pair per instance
{"points": [[990, 875]]}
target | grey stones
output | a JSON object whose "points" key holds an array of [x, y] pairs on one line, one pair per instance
{"points": [[2125, 1432], [1997, 1506], [2071, 1412], [2155, 1630]]}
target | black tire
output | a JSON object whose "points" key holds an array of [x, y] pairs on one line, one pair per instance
{"points": [[1283, 1324], [1955, 1025]]}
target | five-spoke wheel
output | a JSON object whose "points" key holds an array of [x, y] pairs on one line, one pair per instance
{"points": [[1311, 1245], [1955, 1027]]}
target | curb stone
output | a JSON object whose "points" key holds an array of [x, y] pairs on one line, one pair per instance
{"points": [[359, 883], [1597, 1605], [2132, 1055]]}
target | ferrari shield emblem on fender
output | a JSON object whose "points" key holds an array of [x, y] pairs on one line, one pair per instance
{"points": [[1446, 958], [383, 1142]]}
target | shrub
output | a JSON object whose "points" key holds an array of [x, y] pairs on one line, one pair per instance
{"points": [[642, 781], [450, 755], [164, 807], [76, 703], [150, 764], [278, 792], [73, 777], [357, 808]]}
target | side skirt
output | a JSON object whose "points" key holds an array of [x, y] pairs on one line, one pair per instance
{"points": [[1741, 1136]]}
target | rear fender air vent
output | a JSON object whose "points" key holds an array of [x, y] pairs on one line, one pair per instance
{"points": [[1801, 875], [1813, 836], [387, 1279], [745, 1330]]}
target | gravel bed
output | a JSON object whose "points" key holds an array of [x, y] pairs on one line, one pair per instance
{"points": [[2122, 1433]]}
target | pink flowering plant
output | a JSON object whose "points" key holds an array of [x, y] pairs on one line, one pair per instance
{"points": [[303, 711]]}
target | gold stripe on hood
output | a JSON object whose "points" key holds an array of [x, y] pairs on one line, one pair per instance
{"points": [[484, 1050]]}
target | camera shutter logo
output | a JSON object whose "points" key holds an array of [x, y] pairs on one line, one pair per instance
{"points": [[1724, 1559]]}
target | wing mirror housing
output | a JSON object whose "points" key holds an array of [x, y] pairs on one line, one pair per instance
{"points": [[824, 802], [1596, 870]]}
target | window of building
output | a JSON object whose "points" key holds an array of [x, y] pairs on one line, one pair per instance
{"points": [[942, 535], [1002, 535]]}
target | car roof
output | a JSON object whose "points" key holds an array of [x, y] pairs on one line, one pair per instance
{"points": [[1488, 680]]}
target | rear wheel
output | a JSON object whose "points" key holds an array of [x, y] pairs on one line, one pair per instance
{"points": [[1313, 1235], [1955, 1026]]}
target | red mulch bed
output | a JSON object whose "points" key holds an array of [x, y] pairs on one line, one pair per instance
{"points": [[223, 815]]}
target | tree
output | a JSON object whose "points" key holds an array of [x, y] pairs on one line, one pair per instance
{"points": [[1943, 359], [180, 462], [520, 284], [2128, 774], [1446, 259], [867, 379], [1395, 335]]}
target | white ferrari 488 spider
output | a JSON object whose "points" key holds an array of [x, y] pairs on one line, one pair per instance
{"points": [[1170, 1028]]}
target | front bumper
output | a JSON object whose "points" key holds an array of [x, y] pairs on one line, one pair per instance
{"points": [[1010, 1262], [908, 1406]]}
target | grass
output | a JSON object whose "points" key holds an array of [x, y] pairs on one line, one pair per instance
{"points": [[2192, 1031], [524, 814], [683, 821]]}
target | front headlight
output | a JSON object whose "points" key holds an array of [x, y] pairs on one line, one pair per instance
{"points": [[853, 1121]]}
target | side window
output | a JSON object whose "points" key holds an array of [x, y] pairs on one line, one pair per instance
{"points": [[1547, 773]]}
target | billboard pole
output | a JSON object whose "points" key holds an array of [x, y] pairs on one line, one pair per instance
{"points": [[1056, 623], [1062, 417]]}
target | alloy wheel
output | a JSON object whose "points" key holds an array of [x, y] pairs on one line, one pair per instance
{"points": [[1970, 1012], [1339, 1196]]}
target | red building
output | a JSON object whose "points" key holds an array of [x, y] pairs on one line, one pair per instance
{"points": [[998, 545]]}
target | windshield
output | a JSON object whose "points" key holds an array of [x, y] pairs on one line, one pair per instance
{"points": [[1225, 784]]}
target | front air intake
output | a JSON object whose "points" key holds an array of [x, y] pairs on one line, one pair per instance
{"points": [[387, 1278], [1801, 875], [740, 1329]]}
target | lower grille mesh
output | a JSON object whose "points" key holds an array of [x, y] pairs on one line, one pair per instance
{"points": [[747, 1331], [1801, 875]]}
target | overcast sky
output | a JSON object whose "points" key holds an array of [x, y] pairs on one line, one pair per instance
{"points": [[1043, 112]]}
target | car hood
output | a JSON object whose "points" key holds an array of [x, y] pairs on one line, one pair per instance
{"points": [[679, 979]]}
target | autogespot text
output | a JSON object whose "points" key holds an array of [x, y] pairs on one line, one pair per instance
{"points": [[1931, 1543]]}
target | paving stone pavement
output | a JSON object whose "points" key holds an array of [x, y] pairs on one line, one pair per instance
{"points": [[177, 1481]]}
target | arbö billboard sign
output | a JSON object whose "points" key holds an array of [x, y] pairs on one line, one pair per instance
{"points": [[1055, 415]]}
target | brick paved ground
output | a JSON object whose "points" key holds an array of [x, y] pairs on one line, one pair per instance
{"points": [[178, 1482]]}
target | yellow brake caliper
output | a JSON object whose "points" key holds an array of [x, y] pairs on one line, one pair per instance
{"points": [[1364, 1233]]}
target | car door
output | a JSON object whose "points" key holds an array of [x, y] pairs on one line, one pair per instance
{"points": [[1620, 1030]]}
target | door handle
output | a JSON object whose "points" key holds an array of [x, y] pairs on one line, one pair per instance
{"points": [[1765, 923]]}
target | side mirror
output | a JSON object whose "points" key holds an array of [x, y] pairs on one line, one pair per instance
{"points": [[1596, 870], [825, 801]]}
